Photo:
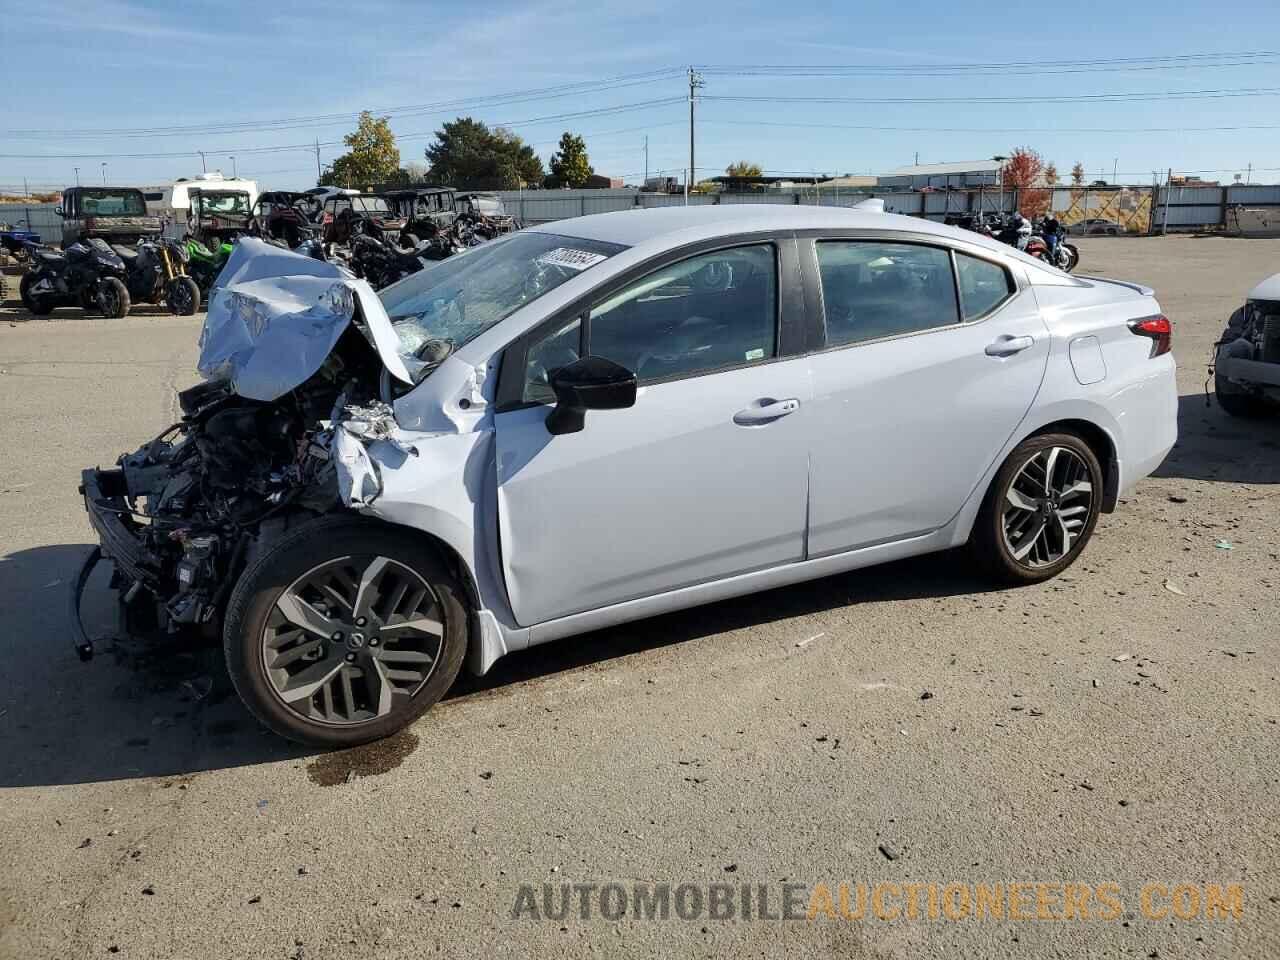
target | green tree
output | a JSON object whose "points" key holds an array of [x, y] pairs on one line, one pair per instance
{"points": [[570, 166], [372, 156], [468, 155], [743, 168]]}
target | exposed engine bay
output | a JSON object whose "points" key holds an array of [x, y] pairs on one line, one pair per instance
{"points": [[1246, 364], [275, 437]]}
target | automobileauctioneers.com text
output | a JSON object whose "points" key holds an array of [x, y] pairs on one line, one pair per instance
{"points": [[881, 901]]}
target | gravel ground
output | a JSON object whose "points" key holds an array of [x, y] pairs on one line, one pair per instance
{"points": [[1100, 728]]}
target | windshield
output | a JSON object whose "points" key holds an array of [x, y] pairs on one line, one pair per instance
{"points": [[489, 206], [457, 299], [369, 204], [105, 202], [230, 203]]}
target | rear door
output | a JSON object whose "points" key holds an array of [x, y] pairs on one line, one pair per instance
{"points": [[931, 359], [704, 478]]}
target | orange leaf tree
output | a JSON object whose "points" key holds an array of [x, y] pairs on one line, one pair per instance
{"points": [[1024, 171]]}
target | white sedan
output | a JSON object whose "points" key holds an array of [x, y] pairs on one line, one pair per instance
{"points": [[608, 418]]}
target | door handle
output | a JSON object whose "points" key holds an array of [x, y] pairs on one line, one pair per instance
{"points": [[765, 410], [1007, 345]]}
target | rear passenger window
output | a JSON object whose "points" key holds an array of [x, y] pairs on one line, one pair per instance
{"points": [[708, 312], [873, 290], [983, 285]]}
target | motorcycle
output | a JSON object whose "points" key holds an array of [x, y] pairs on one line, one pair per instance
{"points": [[155, 272], [205, 263], [1059, 253], [88, 274]]}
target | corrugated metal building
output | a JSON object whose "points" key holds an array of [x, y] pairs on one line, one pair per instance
{"points": [[939, 176]]}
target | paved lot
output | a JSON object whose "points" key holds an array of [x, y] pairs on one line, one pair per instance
{"points": [[784, 737]]}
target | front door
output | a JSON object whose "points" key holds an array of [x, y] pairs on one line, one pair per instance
{"points": [[931, 364], [705, 477]]}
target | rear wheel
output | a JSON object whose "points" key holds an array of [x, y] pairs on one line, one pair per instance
{"points": [[39, 304], [345, 632], [1041, 509], [183, 297], [113, 299]]}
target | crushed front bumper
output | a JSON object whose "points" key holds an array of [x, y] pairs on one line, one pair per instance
{"points": [[104, 500]]}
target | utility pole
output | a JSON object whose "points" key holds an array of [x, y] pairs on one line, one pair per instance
{"points": [[319, 172], [646, 159], [1115, 170], [104, 173], [77, 176], [203, 166], [1249, 176], [233, 169], [695, 83]]}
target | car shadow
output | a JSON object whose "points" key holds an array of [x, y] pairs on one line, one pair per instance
{"points": [[1214, 446], [168, 711]]}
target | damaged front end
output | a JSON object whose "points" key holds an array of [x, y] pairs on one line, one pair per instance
{"points": [[298, 381]]}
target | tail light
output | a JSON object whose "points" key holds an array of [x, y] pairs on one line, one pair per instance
{"points": [[1158, 329]]}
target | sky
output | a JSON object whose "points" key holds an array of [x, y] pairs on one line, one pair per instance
{"points": [[106, 79]]}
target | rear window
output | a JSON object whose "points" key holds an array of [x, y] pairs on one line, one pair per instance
{"points": [[106, 202]]}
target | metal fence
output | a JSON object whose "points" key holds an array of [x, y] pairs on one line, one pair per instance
{"points": [[545, 206], [36, 216]]}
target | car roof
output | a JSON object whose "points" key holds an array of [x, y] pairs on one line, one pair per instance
{"points": [[710, 221]]}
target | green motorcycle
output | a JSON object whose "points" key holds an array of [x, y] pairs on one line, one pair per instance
{"points": [[206, 264]]}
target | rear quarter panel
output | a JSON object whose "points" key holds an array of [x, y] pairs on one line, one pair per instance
{"points": [[1135, 398]]}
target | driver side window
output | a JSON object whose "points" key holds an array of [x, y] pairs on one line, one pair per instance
{"points": [[709, 312]]}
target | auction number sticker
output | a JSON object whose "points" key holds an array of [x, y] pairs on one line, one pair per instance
{"points": [[570, 258]]}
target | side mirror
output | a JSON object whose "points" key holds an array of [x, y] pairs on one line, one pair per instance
{"points": [[58, 211], [591, 383]]}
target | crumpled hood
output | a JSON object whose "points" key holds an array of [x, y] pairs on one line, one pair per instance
{"points": [[275, 315]]}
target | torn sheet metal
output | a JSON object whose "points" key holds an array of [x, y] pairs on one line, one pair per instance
{"points": [[274, 316]]}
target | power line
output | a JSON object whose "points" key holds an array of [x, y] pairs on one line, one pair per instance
{"points": [[598, 112], [883, 129], [1073, 98], [291, 123]]}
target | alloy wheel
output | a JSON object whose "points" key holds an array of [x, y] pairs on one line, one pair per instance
{"points": [[352, 639], [1046, 506]]}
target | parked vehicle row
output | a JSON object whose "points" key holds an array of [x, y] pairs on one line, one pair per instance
{"points": [[108, 279]]}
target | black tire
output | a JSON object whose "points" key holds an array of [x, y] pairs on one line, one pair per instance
{"points": [[1074, 254], [408, 241], [988, 541], [183, 296], [307, 548], [113, 299], [40, 305]]}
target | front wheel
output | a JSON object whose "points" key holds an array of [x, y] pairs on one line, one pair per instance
{"points": [[1073, 256], [113, 299], [345, 632], [1040, 510], [39, 304], [183, 297]]}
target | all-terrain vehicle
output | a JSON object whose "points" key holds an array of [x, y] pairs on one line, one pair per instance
{"points": [[217, 216], [426, 211], [88, 274], [283, 215], [486, 214], [1246, 365], [349, 215]]}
